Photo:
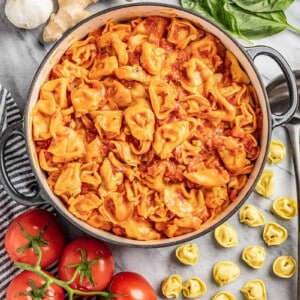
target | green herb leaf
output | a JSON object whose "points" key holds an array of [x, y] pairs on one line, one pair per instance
{"points": [[197, 6], [216, 11], [263, 5], [259, 19], [259, 25]]}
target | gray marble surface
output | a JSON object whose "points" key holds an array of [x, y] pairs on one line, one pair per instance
{"points": [[21, 52]]}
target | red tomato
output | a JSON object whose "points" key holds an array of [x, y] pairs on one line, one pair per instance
{"points": [[29, 283], [133, 286], [94, 261], [34, 226]]}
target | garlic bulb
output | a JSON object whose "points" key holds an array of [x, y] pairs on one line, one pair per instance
{"points": [[28, 14]]}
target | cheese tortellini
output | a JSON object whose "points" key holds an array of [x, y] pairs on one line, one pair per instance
{"points": [[265, 185], [225, 272], [284, 266], [188, 254], [254, 256], [171, 286], [223, 296], [193, 288], [154, 118], [251, 216], [285, 207], [274, 234], [277, 152], [254, 290], [226, 235]]}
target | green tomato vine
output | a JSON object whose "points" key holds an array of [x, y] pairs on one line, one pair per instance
{"points": [[82, 269]]}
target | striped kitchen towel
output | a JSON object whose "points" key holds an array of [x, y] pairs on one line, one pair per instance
{"points": [[19, 170]]}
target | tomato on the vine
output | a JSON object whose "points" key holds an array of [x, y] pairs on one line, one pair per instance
{"points": [[28, 285], [32, 229], [93, 261], [131, 286]]}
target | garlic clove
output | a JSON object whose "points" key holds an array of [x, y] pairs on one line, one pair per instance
{"points": [[28, 14]]}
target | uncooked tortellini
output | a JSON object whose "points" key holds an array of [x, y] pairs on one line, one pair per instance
{"points": [[284, 266], [254, 290], [274, 234], [277, 152], [225, 272], [194, 287], [171, 286], [285, 207], [188, 254], [251, 216], [265, 185], [223, 296], [226, 235], [254, 256]]}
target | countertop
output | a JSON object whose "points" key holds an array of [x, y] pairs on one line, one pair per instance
{"points": [[21, 52]]}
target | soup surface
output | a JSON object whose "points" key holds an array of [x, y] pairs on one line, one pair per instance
{"points": [[147, 129]]}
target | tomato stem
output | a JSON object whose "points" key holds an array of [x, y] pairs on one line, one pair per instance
{"points": [[83, 269], [64, 284]]}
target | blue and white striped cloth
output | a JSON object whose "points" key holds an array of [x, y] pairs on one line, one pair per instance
{"points": [[19, 170]]}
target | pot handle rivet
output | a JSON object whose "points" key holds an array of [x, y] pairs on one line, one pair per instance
{"points": [[15, 129], [289, 75]]}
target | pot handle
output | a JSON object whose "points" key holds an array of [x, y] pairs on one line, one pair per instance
{"points": [[15, 129], [255, 51]]}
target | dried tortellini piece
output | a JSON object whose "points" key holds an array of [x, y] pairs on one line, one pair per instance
{"points": [[188, 254], [265, 185], [172, 286], [226, 235], [225, 272], [223, 296], [251, 216], [277, 152], [254, 290], [194, 287], [284, 266], [274, 234], [254, 256], [285, 207]]}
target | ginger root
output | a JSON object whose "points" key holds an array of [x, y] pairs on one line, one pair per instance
{"points": [[70, 13]]}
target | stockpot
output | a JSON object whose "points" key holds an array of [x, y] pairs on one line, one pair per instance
{"points": [[245, 55]]}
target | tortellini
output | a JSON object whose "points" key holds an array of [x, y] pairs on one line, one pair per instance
{"points": [[276, 152], [254, 290], [172, 286], [285, 207], [226, 235], [265, 185], [188, 254], [225, 272], [254, 256], [139, 118], [284, 266], [194, 287], [154, 117], [223, 296], [168, 136], [251, 216], [274, 234]]}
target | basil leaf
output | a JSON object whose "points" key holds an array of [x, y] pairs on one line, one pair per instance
{"points": [[263, 5], [259, 25], [216, 11], [197, 6], [245, 23]]}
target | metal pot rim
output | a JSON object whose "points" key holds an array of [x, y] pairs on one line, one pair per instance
{"points": [[49, 197]]}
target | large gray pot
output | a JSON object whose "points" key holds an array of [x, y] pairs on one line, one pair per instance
{"points": [[122, 13]]}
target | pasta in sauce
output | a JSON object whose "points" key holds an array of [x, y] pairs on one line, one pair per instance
{"points": [[147, 129]]}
